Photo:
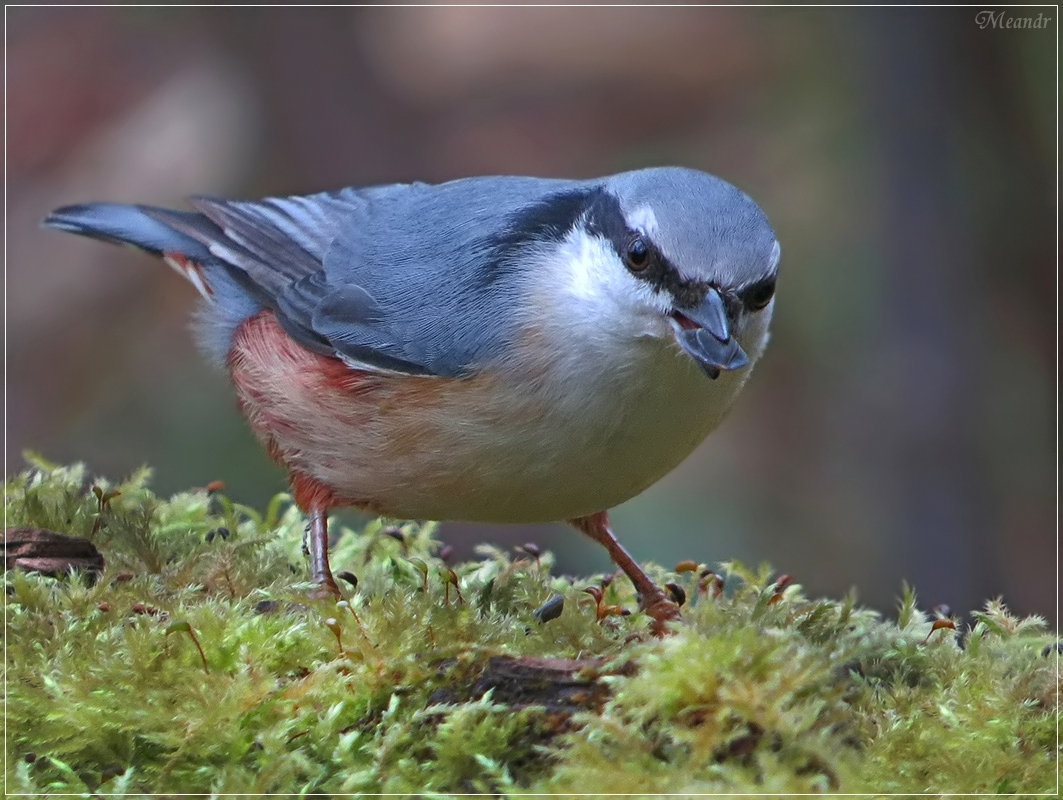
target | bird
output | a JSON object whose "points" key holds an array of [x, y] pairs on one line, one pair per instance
{"points": [[502, 349]]}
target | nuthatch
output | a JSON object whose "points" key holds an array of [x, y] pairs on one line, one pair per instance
{"points": [[502, 349]]}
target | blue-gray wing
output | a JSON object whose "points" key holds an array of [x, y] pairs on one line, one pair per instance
{"points": [[277, 249], [413, 278]]}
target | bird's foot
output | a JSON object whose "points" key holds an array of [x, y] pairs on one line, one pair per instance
{"points": [[652, 599], [661, 609], [326, 590]]}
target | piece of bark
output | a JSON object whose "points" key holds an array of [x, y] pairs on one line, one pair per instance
{"points": [[556, 683], [562, 686], [49, 552]]}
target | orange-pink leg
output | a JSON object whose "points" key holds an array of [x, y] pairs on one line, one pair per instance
{"points": [[316, 499], [652, 599]]}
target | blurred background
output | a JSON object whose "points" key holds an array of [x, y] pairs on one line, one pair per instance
{"points": [[902, 425]]}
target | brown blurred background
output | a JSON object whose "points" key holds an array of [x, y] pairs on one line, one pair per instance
{"points": [[901, 425]]}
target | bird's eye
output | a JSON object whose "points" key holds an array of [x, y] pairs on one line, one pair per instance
{"points": [[638, 254], [759, 294]]}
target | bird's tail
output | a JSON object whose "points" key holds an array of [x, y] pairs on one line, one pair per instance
{"points": [[154, 230]]}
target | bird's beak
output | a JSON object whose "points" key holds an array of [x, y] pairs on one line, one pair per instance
{"points": [[704, 333]]}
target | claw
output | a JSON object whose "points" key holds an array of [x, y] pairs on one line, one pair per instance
{"points": [[661, 610], [326, 590]]}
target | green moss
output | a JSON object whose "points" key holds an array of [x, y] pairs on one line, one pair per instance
{"points": [[760, 689]]}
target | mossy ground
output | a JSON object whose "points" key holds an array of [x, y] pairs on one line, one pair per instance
{"points": [[760, 689]]}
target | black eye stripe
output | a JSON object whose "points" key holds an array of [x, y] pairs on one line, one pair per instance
{"points": [[606, 219], [757, 295]]}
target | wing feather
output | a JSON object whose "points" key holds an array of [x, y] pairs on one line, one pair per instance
{"points": [[280, 243]]}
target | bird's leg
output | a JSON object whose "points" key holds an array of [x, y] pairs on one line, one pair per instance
{"points": [[315, 499], [320, 572], [652, 598]]}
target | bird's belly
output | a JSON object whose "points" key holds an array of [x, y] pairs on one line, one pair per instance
{"points": [[565, 464], [492, 447]]}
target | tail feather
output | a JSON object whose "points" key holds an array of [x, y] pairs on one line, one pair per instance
{"points": [[135, 225], [231, 296]]}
